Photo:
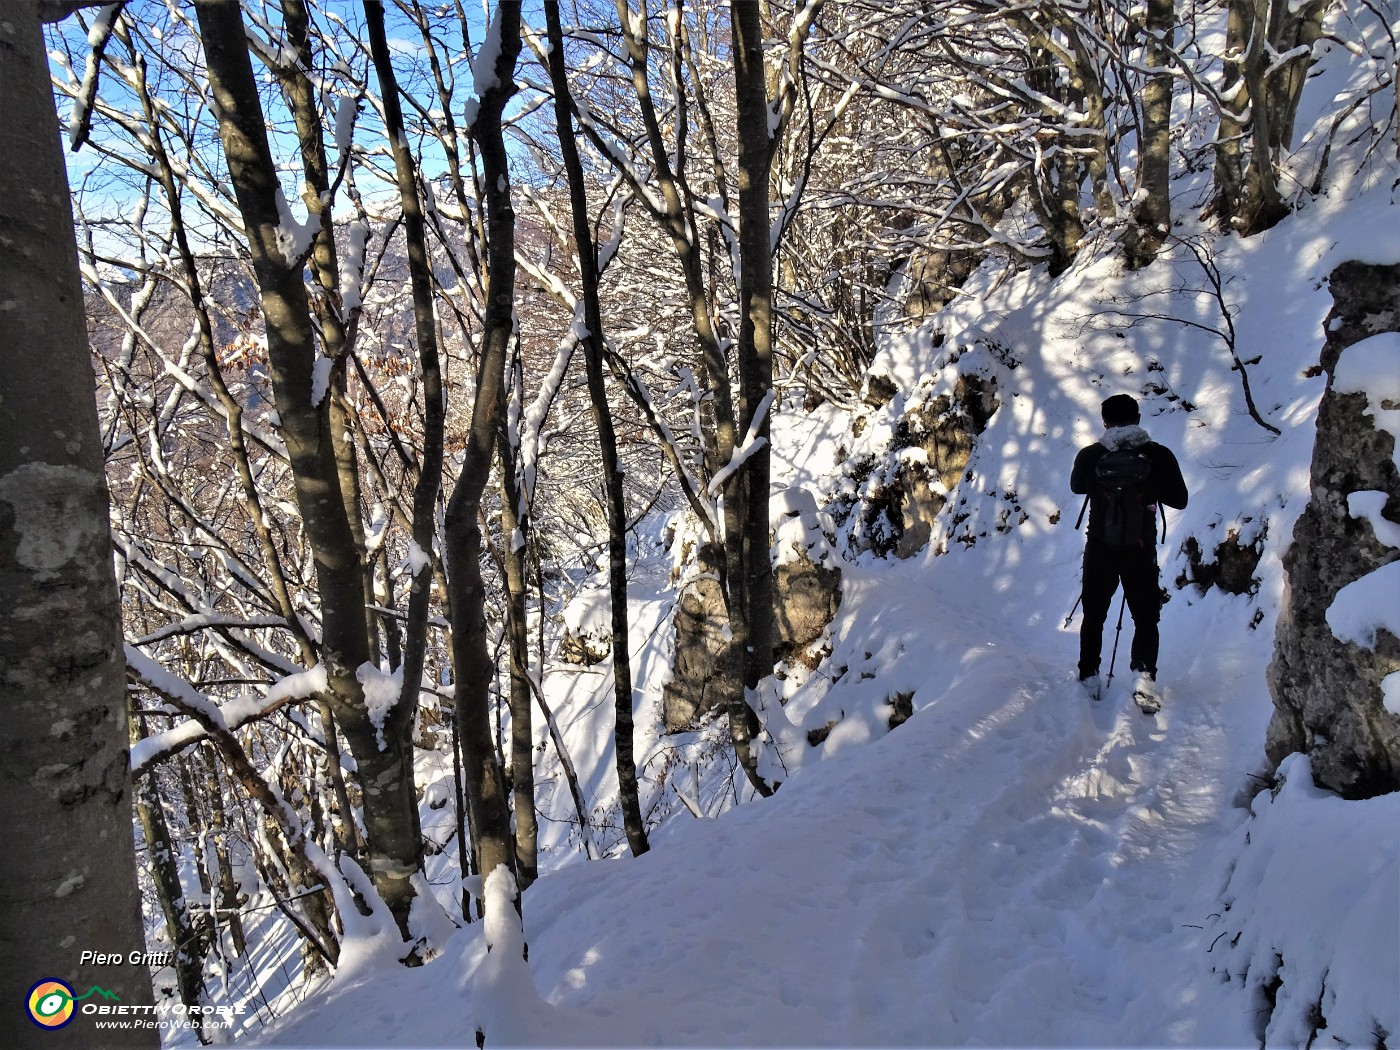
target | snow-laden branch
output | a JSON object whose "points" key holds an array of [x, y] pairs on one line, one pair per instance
{"points": [[528, 437], [80, 120], [207, 716], [751, 444]]}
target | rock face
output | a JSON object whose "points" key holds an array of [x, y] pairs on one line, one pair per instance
{"points": [[806, 596], [806, 577], [1328, 696], [933, 441], [702, 629]]}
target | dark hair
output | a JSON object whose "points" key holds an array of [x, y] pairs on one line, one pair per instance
{"points": [[1120, 410]]}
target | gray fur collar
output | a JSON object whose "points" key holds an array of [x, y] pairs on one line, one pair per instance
{"points": [[1124, 437]]}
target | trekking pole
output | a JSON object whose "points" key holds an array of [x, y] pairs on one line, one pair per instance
{"points": [[1116, 633], [1077, 522], [1070, 617]]}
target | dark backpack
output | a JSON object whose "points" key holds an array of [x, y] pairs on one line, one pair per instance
{"points": [[1125, 519]]}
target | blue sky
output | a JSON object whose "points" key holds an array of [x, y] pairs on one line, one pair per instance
{"points": [[103, 187]]}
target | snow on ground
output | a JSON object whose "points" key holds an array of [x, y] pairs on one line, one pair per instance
{"points": [[1011, 867], [1014, 865]]}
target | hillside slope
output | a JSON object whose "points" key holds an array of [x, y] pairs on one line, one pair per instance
{"points": [[1014, 865]]}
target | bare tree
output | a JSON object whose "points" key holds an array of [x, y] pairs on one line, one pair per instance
{"points": [[492, 842], [65, 805], [594, 356], [383, 753]]}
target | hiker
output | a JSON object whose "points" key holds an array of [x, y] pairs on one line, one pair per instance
{"points": [[1125, 475]]}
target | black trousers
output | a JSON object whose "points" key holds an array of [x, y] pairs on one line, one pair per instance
{"points": [[1104, 570]]}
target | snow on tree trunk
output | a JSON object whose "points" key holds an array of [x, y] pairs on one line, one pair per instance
{"points": [[1334, 686], [69, 871]]}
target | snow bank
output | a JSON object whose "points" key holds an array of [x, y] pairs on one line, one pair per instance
{"points": [[1313, 915]]}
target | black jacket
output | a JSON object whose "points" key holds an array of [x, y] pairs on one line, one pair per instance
{"points": [[1165, 485]]}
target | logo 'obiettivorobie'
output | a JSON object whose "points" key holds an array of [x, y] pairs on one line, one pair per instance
{"points": [[51, 1002]]}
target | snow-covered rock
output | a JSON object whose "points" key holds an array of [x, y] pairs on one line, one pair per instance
{"points": [[1337, 638]]}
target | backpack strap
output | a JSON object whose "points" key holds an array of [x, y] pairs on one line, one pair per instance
{"points": [[1080, 520], [1162, 511]]}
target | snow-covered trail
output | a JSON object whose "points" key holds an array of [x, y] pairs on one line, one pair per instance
{"points": [[1014, 859], [1013, 866]]}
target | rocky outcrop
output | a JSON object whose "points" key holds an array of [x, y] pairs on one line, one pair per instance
{"points": [[933, 442], [585, 648], [933, 278], [806, 578], [702, 643], [806, 596], [1328, 695], [1233, 565]]}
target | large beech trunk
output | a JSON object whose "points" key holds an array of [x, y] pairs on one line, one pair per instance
{"points": [[65, 809]]}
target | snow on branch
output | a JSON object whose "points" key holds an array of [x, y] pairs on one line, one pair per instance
{"points": [[80, 120], [294, 236], [751, 444], [200, 621], [208, 717], [527, 434], [484, 75]]}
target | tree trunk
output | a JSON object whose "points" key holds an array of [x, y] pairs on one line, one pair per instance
{"points": [[492, 842], [747, 540], [514, 531], [428, 484], [201, 920], [1229, 162], [593, 347], [188, 942], [1152, 216], [336, 329], [1298, 26], [394, 839], [1260, 31], [227, 901], [1057, 175], [65, 814]]}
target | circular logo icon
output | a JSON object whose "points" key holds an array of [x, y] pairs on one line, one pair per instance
{"points": [[51, 1003]]}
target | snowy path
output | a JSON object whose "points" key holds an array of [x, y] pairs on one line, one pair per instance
{"points": [[1009, 859], [1014, 866]]}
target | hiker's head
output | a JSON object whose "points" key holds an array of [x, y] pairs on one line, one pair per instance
{"points": [[1120, 410]]}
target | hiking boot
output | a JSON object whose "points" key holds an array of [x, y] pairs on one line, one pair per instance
{"points": [[1145, 693], [1092, 686]]}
